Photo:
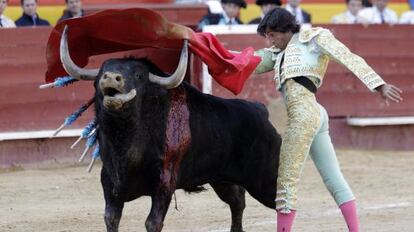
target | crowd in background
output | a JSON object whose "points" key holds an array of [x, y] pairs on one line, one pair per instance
{"points": [[30, 17], [226, 12], [357, 12]]}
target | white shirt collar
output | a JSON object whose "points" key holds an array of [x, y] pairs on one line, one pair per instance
{"points": [[378, 11], [227, 18], [350, 17], [385, 13]]}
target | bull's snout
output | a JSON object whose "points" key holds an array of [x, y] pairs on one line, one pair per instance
{"points": [[111, 83], [112, 86]]}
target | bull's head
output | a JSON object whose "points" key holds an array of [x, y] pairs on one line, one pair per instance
{"points": [[117, 79]]}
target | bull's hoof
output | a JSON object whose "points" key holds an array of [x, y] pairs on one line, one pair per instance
{"points": [[153, 227], [237, 230]]}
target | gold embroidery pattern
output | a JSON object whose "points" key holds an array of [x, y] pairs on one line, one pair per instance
{"points": [[303, 123], [298, 53], [307, 34], [278, 60], [300, 61], [341, 54]]}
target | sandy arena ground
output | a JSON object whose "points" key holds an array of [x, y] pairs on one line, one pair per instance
{"points": [[69, 199]]}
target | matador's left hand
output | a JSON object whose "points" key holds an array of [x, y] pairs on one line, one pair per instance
{"points": [[390, 92]]}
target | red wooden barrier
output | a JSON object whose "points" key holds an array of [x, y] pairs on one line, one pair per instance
{"points": [[23, 107]]}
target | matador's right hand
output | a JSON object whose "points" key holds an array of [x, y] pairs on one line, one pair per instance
{"points": [[390, 92]]}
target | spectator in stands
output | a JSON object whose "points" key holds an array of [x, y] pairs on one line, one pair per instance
{"points": [[406, 17], [30, 16], [228, 17], [302, 17], [266, 6], [349, 16], [5, 22], [73, 10], [377, 14]]}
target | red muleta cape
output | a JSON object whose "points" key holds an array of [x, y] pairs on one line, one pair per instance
{"points": [[122, 30]]}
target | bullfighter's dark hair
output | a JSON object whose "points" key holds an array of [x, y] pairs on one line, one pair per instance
{"points": [[278, 20]]}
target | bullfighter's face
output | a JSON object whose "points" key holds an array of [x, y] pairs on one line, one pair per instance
{"points": [[278, 39]]}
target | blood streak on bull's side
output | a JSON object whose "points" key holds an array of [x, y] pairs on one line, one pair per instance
{"points": [[177, 136]]}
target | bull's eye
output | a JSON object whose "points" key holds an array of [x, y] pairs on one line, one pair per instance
{"points": [[118, 78]]}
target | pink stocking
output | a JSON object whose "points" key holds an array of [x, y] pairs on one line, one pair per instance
{"points": [[285, 221], [349, 212]]}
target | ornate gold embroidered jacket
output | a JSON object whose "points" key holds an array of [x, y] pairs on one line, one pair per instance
{"points": [[308, 54]]}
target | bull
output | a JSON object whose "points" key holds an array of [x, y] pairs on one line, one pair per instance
{"points": [[158, 134]]}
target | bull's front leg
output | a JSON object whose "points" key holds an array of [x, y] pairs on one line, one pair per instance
{"points": [[160, 203], [113, 213], [113, 204]]}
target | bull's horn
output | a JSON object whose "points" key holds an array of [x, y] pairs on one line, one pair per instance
{"points": [[71, 68], [178, 76]]}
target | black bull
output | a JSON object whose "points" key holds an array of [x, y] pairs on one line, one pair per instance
{"points": [[179, 138]]}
